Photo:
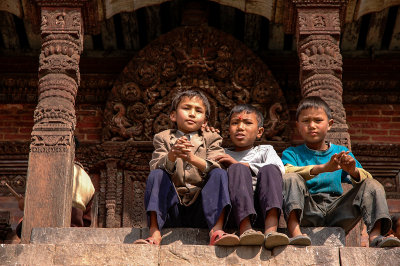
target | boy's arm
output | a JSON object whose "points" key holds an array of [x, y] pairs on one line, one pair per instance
{"points": [[303, 171], [289, 159], [268, 156], [159, 158], [214, 148]]}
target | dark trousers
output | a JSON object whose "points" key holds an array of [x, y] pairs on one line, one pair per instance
{"points": [[162, 198], [245, 202], [366, 199]]}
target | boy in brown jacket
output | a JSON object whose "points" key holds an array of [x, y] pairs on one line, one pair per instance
{"points": [[186, 187]]}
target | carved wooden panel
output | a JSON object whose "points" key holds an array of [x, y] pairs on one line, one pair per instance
{"points": [[192, 57]]}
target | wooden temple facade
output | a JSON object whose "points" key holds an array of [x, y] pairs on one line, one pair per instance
{"points": [[106, 71]]}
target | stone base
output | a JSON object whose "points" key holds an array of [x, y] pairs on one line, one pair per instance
{"points": [[174, 254], [320, 236]]}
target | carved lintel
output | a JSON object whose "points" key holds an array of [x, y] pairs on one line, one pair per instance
{"points": [[192, 57]]}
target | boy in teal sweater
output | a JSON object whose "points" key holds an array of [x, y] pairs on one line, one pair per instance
{"points": [[313, 194]]}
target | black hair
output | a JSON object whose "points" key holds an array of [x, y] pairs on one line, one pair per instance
{"points": [[313, 102], [395, 218], [249, 109], [190, 94]]}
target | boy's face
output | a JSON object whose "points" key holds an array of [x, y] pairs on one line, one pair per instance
{"points": [[244, 130], [313, 125], [190, 114]]}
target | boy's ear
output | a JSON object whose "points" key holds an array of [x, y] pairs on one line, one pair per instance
{"points": [[260, 132], [330, 122], [172, 116], [205, 122]]}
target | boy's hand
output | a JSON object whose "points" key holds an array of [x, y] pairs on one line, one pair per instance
{"points": [[330, 166], [207, 128], [181, 149], [348, 164], [225, 159]]}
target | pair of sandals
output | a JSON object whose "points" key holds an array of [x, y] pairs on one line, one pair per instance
{"points": [[270, 240], [385, 242]]}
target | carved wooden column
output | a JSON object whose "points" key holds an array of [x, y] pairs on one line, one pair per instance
{"points": [[52, 150], [318, 35]]}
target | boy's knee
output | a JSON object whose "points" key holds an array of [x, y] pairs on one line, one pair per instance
{"points": [[217, 172], [156, 174], [237, 167], [292, 178], [271, 168], [374, 185]]}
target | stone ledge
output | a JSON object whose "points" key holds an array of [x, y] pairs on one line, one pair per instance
{"points": [[174, 254], [369, 256], [320, 236]]}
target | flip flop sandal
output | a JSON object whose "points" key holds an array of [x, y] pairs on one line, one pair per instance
{"points": [[384, 242], [220, 238], [251, 237], [300, 240], [147, 241], [275, 239]]}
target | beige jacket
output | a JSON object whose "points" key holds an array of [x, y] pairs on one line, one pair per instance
{"points": [[187, 179], [82, 188]]}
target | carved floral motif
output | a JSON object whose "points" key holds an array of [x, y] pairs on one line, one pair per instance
{"points": [[199, 58]]}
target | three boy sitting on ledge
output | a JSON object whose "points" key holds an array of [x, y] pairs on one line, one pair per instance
{"points": [[188, 187]]}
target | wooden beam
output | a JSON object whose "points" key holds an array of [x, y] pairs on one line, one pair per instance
{"points": [[153, 22], [252, 31], [35, 41], [276, 36], [227, 19], [108, 35], [130, 30], [350, 36], [8, 31], [377, 28], [395, 42]]}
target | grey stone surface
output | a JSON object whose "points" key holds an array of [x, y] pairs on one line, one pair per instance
{"points": [[179, 254], [312, 255], [326, 236], [111, 254], [18, 254], [85, 235], [350, 256]]}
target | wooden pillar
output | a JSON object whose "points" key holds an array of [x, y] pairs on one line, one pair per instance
{"points": [[318, 25], [49, 180]]}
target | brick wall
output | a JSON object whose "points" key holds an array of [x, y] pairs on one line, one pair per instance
{"points": [[16, 122], [374, 123]]}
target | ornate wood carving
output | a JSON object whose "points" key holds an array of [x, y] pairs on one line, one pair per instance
{"points": [[49, 187], [318, 35], [192, 58]]}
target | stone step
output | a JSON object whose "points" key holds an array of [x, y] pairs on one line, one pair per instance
{"points": [[320, 236], [178, 254]]}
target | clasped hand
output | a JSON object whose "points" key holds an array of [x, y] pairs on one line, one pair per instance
{"points": [[181, 149], [342, 161]]}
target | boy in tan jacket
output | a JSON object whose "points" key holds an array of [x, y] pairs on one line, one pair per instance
{"points": [[186, 187]]}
